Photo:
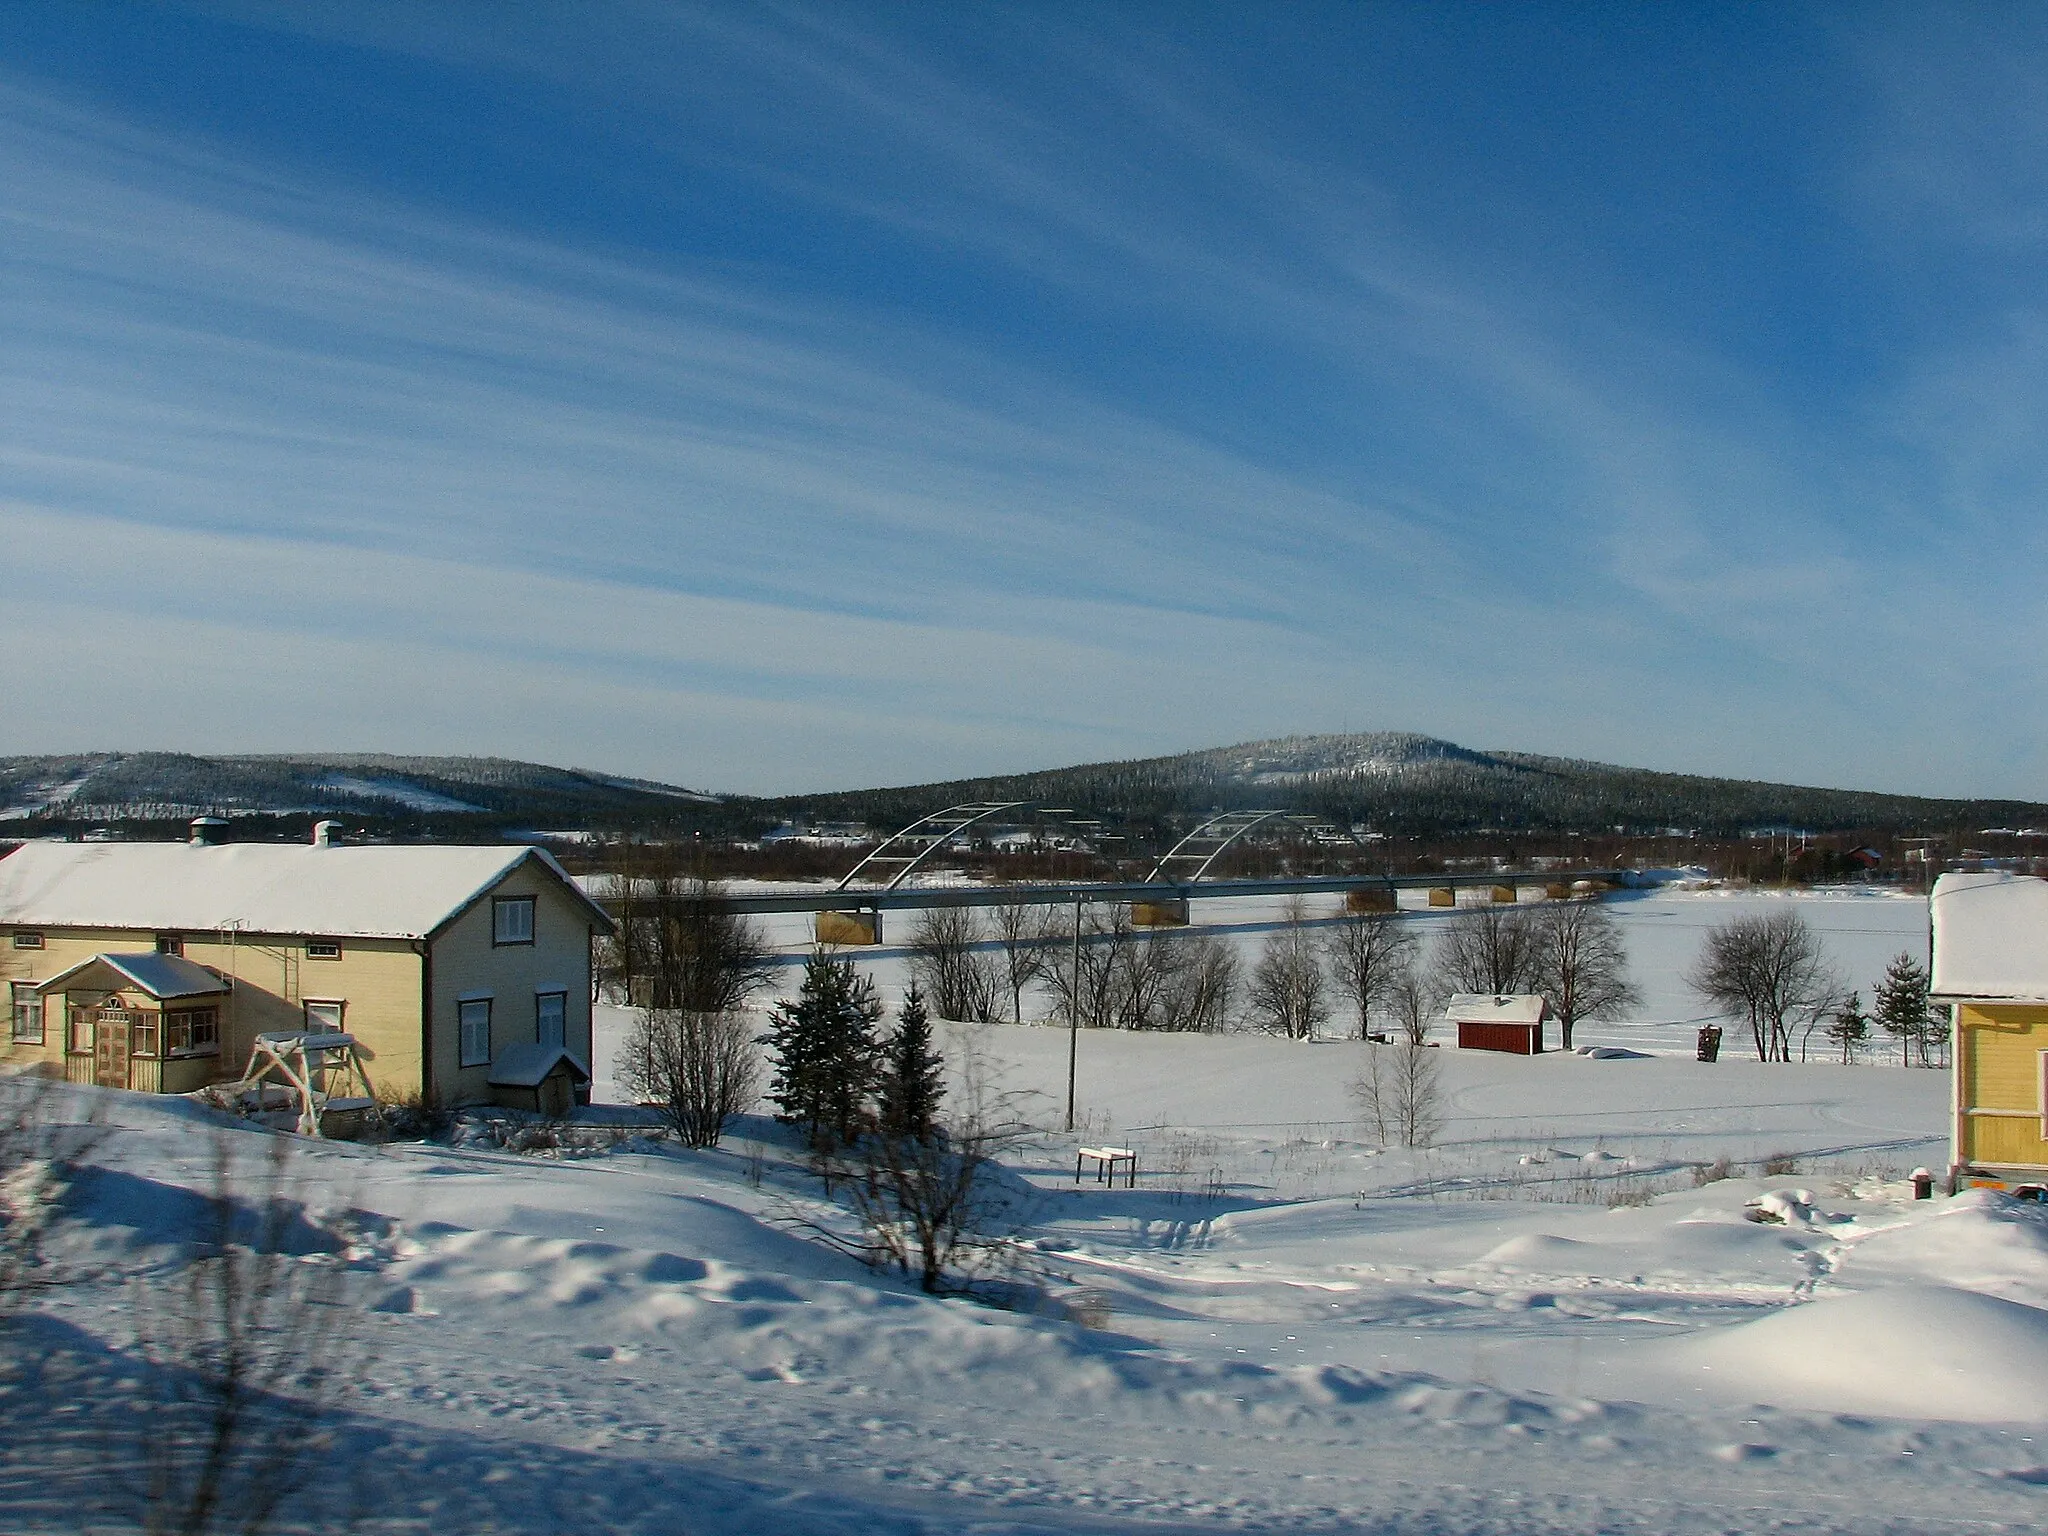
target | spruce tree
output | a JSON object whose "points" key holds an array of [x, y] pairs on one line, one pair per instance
{"points": [[1848, 1027], [825, 1048], [1901, 1010], [912, 1074]]}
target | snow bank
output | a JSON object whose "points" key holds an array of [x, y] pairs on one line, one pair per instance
{"points": [[1981, 1240], [1920, 1351]]}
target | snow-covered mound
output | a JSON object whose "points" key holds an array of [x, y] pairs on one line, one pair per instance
{"points": [[1982, 1240], [1927, 1351]]}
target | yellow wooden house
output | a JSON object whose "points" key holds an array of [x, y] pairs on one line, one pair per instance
{"points": [[1990, 939], [155, 966]]}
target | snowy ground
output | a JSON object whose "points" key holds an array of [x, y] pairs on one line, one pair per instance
{"points": [[1863, 927], [1543, 1325]]}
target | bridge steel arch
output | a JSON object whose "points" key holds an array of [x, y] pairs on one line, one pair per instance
{"points": [[1188, 860], [933, 832]]}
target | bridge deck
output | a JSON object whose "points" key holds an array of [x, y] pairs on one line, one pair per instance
{"points": [[1063, 894]]}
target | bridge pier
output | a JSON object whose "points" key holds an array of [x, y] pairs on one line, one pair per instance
{"points": [[1161, 912], [1371, 899], [861, 927]]}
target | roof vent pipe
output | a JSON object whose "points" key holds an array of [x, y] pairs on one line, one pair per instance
{"points": [[206, 830], [326, 834]]}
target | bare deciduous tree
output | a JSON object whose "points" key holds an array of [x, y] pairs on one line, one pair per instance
{"points": [[1418, 1091], [1399, 1092], [679, 948], [1184, 981], [1202, 992], [955, 976], [1024, 935], [1371, 1091], [1289, 992], [1089, 982], [1491, 950], [1767, 970], [1162, 981], [1581, 964], [1367, 952], [698, 1070], [1414, 1001], [1143, 981]]}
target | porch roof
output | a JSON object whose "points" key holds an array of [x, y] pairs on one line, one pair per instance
{"points": [[527, 1065], [167, 978]]}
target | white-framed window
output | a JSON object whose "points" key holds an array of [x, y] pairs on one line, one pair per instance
{"points": [[512, 920], [550, 1017], [170, 944], [473, 1018], [82, 1022], [28, 1015], [323, 949], [27, 940], [324, 1015]]}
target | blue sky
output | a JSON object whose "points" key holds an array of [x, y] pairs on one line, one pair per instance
{"points": [[778, 397]]}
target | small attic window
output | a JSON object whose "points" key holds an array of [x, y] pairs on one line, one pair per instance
{"points": [[323, 949], [512, 920], [27, 940]]}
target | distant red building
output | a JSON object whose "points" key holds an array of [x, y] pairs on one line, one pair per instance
{"points": [[1513, 1024]]}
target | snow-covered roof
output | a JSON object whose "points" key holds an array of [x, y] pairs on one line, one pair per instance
{"points": [[297, 888], [163, 977], [1991, 937], [527, 1065], [1484, 1008]]}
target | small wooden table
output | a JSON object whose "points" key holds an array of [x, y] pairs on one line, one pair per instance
{"points": [[1106, 1160]]}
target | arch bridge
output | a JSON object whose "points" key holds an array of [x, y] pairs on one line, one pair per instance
{"points": [[851, 913]]}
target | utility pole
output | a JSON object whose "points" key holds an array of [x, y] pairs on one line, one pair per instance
{"points": [[1074, 1010]]}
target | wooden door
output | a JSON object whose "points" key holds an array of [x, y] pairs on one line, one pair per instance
{"points": [[110, 1048]]}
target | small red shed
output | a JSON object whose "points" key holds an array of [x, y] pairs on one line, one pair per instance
{"points": [[1513, 1024]]}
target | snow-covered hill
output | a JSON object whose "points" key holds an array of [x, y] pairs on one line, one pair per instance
{"points": [[1403, 782], [158, 786]]}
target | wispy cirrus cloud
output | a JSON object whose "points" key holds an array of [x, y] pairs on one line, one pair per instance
{"points": [[1039, 388]]}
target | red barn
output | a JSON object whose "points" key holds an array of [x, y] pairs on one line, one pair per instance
{"points": [[1513, 1024]]}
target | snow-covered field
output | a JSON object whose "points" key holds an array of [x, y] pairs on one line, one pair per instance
{"points": [[1544, 1324]]}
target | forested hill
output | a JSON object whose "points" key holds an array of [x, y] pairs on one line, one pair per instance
{"points": [[473, 794], [1409, 784], [1394, 783]]}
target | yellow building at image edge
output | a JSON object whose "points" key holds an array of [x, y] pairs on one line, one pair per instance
{"points": [[1990, 938], [463, 973]]}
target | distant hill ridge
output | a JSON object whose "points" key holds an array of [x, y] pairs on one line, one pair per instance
{"points": [[1392, 781], [1402, 782], [158, 785]]}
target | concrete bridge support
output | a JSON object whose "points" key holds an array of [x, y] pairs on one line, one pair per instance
{"points": [[849, 927], [1371, 899], [1166, 913]]}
